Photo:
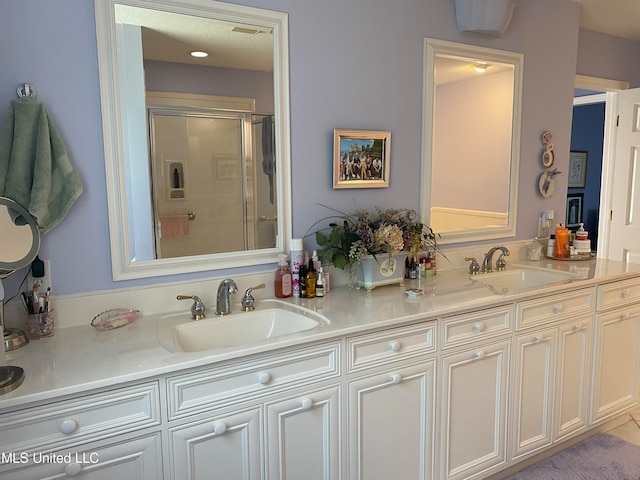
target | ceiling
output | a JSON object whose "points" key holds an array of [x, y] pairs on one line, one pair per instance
{"points": [[170, 37], [620, 18]]}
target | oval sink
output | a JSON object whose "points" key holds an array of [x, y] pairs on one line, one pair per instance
{"points": [[271, 319], [520, 278]]}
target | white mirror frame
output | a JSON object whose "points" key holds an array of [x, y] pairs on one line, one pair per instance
{"points": [[125, 267], [433, 47]]}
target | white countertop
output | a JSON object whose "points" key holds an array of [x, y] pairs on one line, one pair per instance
{"points": [[79, 358]]}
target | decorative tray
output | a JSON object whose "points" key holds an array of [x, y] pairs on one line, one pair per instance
{"points": [[579, 259], [114, 318]]}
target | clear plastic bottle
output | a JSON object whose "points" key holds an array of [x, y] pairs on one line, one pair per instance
{"points": [[283, 285]]}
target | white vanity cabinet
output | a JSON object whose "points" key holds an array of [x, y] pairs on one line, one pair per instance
{"points": [[550, 369], [273, 416], [474, 385], [616, 350], [114, 434], [391, 395]]}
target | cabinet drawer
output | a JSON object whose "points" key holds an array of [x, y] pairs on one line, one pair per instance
{"points": [[471, 327], [232, 383], [81, 419], [553, 308], [379, 348], [618, 294]]}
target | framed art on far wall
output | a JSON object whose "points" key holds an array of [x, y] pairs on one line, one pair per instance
{"points": [[577, 169], [574, 209], [361, 158]]}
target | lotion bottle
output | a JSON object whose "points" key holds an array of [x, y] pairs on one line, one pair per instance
{"points": [[283, 285]]}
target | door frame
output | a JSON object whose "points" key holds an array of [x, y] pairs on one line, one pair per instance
{"points": [[609, 96]]}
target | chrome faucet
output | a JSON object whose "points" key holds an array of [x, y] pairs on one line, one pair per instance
{"points": [[247, 301], [488, 259], [223, 304]]}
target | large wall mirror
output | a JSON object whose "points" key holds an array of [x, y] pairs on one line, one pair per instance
{"points": [[471, 141], [196, 147]]}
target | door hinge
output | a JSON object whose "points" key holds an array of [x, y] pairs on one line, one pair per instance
{"points": [[618, 121], [610, 215]]}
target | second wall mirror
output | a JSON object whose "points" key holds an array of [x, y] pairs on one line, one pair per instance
{"points": [[471, 141]]}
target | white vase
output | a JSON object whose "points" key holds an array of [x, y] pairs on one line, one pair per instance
{"points": [[383, 269]]}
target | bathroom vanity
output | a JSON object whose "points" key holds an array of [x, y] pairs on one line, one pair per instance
{"points": [[464, 381]]}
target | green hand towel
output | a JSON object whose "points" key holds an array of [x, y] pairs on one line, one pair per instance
{"points": [[35, 170]]}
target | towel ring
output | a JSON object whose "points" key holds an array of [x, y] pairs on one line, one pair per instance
{"points": [[26, 90]]}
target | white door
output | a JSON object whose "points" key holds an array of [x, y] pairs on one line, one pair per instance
{"points": [[624, 225]]}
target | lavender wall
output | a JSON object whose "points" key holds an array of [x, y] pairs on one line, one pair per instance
{"points": [[355, 64]]}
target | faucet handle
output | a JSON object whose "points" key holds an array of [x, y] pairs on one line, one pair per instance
{"points": [[501, 263], [197, 309], [248, 300], [474, 266]]}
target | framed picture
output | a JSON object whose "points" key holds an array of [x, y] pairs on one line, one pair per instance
{"points": [[577, 169], [574, 209], [361, 158]]}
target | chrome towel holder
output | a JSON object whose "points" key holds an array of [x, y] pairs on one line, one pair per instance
{"points": [[26, 90]]}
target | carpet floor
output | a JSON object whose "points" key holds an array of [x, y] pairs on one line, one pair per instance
{"points": [[601, 457]]}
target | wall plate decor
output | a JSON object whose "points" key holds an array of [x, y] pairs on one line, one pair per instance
{"points": [[548, 157], [547, 182], [361, 158]]}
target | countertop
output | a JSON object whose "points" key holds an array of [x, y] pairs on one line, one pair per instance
{"points": [[79, 358]]}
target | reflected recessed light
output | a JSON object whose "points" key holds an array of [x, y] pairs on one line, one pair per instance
{"points": [[480, 67], [199, 54]]}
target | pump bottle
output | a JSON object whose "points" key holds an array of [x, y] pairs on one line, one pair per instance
{"points": [[283, 280]]}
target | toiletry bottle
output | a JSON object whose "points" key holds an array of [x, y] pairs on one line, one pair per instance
{"points": [[320, 283], [283, 281], [310, 280], [551, 245], [302, 281], [561, 249], [296, 259]]}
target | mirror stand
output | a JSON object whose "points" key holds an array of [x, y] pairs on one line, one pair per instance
{"points": [[13, 338]]}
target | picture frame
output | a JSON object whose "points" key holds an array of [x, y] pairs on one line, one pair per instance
{"points": [[575, 203], [361, 158], [577, 169]]}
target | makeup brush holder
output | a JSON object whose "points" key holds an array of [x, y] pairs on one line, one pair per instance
{"points": [[40, 325]]}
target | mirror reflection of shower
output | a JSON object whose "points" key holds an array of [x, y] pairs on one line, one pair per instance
{"points": [[213, 182]]}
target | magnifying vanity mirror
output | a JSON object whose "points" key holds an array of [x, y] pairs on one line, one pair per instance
{"points": [[470, 156], [196, 148], [19, 244]]}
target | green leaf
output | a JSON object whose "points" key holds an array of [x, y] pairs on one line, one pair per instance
{"points": [[339, 260], [321, 239]]}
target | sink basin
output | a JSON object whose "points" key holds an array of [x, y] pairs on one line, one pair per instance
{"points": [[520, 278], [270, 319]]}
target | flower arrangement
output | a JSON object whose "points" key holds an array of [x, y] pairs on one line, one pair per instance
{"points": [[362, 233]]}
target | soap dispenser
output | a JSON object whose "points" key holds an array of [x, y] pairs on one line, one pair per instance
{"points": [[283, 285]]}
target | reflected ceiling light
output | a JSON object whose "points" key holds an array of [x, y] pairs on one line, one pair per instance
{"points": [[199, 54], [480, 67]]}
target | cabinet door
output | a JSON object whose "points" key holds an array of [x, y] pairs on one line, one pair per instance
{"points": [[391, 424], [616, 356], [303, 436], [533, 383], [226, 447], [136, 459], [474, 402], [572, 384]]}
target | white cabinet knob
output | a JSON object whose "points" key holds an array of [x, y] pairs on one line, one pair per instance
{"points": [[220, 428], [306, 403], [558, 308], [395, 345], [72, 469], [479, 355], [68, 426], [624, 316], [396, 378], [479, 327], [264, 378], [625, 293], [577, 327]]}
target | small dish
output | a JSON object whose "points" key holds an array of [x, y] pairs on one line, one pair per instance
{"points": [[114, 318], [547, 184], [413, 292], [548, 157]]}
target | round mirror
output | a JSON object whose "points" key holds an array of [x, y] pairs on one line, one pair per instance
{"points": [[19, 244]]}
